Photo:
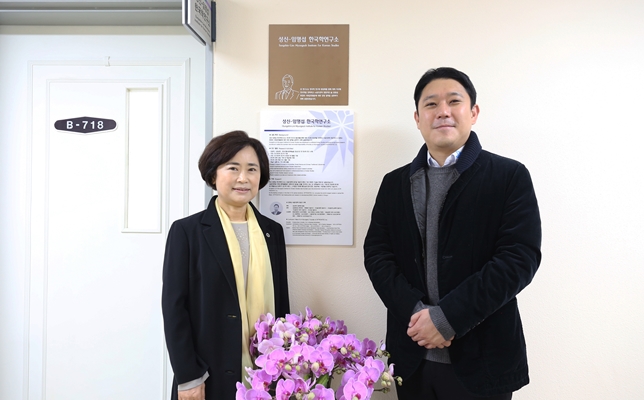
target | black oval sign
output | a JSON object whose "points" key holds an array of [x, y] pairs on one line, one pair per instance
{"points": [[85, 124]]}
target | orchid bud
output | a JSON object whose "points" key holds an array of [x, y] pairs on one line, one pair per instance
{"points": [[311, 396], [288, 367], [343, 350]]}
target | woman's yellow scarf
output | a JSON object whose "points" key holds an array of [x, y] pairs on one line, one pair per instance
{"points": [[258, 297]]}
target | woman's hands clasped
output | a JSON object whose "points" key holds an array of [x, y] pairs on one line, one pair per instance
{"points": [[197, 393]]}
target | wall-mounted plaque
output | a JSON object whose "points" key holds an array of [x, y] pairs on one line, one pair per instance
{"points": [[311, 188], [308, 65]]}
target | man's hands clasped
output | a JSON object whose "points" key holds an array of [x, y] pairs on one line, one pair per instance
{"points": [[423, 331]]}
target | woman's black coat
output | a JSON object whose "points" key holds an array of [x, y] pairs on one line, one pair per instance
{"points": [[201, 313]]}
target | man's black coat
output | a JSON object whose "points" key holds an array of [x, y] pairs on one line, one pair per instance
{"points": [[489, 240]]}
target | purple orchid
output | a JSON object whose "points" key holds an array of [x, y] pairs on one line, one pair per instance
{"points": [[294, 319], [241, 391], [352, 344], [321, 362], [336, 327], [285, 389], [355, 390], [298, 362], [254, 394], [349, 375], [268, 345], [333, 344], [273, 363], [322, 393], [369, 348], [284, 330], [296, 357], [260, 380]]}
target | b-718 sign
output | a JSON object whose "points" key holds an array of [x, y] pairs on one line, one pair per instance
{"points": [[85, 125]]}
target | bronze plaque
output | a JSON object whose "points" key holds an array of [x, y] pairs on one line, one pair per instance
{"points": [[308, 65]]}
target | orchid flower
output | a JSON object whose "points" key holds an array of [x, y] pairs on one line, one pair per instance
{"points": [[355, 390], [261, 380], [284, 330], [285, 389], [346, 378], [369, 348], [296, 357], [321, 362], [268, 345], [322, 393], [254, 394], [241, 391]]}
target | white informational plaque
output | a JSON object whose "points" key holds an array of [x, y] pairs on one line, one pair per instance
{"points": [[311, 188], [196, 18]]}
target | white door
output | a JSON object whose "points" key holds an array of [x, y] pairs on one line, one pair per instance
{"points": [[100, 206], [100, 201]]}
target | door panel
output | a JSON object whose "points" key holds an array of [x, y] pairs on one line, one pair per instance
{"points": [[95, 319]]}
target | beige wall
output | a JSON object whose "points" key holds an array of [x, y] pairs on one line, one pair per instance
{"points": [[560, 88]]}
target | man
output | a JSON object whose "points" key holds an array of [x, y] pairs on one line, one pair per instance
{"points": [[287, 93], [276, 209], [454, 236]]}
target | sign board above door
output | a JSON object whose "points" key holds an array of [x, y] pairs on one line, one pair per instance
{"points": [[198, 16]]}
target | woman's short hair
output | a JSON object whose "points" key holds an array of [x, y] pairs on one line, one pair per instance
{"points": [[223, 148]]}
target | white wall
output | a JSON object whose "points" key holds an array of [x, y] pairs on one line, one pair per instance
{"points": [[560, 86]]}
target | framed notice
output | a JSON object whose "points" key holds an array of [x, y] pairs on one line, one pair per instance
{"points": [[196, 17], [311, 187], [308, 65]]}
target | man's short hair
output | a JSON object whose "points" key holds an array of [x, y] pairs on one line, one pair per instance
{"points": [[445, 73]]}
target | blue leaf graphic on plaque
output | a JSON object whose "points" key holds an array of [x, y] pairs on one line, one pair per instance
{"points": [[336, 134]]}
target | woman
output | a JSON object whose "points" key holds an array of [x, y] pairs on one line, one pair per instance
{"points": [[223, 268]]}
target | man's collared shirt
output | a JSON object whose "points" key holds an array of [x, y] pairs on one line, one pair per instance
{"points": [[448, 161]]}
